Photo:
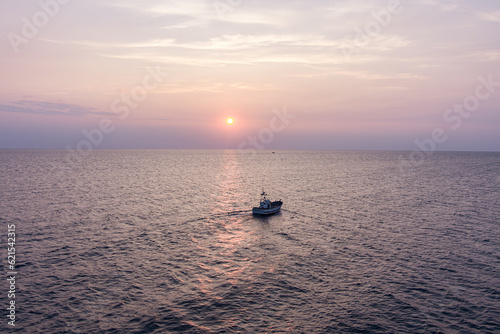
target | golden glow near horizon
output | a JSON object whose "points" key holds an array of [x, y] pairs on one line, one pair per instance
{"points": [[229, 121]]}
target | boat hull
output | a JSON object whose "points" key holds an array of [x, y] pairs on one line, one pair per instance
{"points": [[275, 208]]}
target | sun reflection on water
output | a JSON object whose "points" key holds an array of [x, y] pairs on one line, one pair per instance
{"points": [[226, 257]]}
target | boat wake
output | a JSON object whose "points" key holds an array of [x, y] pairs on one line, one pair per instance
{"points": [[221, 215]]}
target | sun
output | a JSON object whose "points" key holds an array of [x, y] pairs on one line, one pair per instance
{"points": [[229, 121]]}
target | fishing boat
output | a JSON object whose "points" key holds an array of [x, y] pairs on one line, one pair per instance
{"points": [[267, 207]]}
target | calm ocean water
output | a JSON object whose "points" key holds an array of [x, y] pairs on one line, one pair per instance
{"points": [[164, 242]]}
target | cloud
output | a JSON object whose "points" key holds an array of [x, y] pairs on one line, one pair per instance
{"points": [[437, 3], [222, 43], [343, 8], [490, 17], [162, 7], [50, 108], [221, 50], [449, 8]]}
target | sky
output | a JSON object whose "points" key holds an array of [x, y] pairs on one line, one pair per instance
{"points": [[322, 75]]}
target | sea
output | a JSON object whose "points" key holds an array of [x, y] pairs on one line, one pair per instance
{"points": [[164, 241]]}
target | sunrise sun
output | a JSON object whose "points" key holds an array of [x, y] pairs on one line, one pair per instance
{"points": [[229, 121]]}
